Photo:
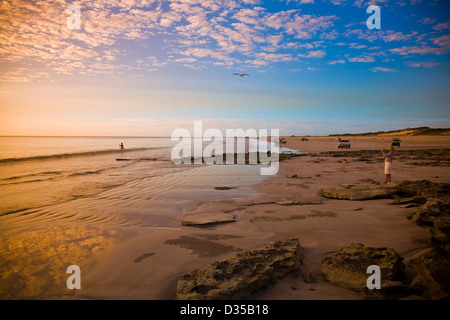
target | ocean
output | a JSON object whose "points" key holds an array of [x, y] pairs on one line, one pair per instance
{"points": [[69, 200], [41, 171]]}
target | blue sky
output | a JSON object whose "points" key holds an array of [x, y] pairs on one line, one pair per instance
{"points": [[145, 67]]}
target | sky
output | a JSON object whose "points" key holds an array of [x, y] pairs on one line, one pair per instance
{"points": [[147, 67]]}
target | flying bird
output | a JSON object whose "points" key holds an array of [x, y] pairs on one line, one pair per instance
{"points": [[241, 74]]}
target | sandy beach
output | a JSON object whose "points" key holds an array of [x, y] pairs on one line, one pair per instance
{"points": [[123, 255], [116, 116]]}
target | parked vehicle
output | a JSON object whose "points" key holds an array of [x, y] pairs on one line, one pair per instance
{"points": [[344, 143], [395, 142], [304, 139]]}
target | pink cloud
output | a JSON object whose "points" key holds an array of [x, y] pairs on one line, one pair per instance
{"points": [[442, 41], [419, 50], [398, 36], [424, 64], [382, 69], [362, 59], [315, 54], [442, 26]]}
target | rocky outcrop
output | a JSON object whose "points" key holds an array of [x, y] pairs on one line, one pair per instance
{"points": [[424, 188], [419, 157], [431, 267], [347, 267], [407, 189], [361, 192], [207, 218], [432, 272], [249, 158], [434, 216], [242, 274], [211, 213]]}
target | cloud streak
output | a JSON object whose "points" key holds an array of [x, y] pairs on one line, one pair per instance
{"points": [[36, 42]]}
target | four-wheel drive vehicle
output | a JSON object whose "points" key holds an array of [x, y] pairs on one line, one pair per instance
{"points": [[343, 144], [395, 142]]}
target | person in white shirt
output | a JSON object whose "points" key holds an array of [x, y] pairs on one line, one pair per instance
{"points": [[388, 159]]}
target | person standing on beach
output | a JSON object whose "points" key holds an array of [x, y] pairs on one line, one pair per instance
{"points": [[388, 158]]}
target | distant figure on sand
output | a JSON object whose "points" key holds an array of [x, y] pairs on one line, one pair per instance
{"points": [[388, 158], [121, 146]]}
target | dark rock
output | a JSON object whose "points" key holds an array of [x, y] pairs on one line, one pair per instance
{"points": [[417, 190], [392, 290], [431, 269], [247, 158], [347, 267], [432, 272], [409, 200], [308, 277], [434, 216], [361, 192], [423, 188], [242, 274], [207, 218]]}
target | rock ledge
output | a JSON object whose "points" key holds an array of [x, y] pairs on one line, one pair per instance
{"points": [[242, 274]]}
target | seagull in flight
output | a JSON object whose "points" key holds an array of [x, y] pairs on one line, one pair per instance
{"points": [[241, 74]]}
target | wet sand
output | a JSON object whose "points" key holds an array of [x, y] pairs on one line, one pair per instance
{"points": [[124, 256], [286, 207]]}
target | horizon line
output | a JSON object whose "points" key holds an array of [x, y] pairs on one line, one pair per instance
{"points": [[289, 135]]}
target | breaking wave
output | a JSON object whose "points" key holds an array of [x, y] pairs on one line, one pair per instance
{"points": [[76, 154]]}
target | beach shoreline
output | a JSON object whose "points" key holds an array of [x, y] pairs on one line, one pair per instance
{"points": [[290, 205], [126, 261]]}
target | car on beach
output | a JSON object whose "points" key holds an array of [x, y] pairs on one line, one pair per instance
{"points": [[343, 143], [395, 142]]}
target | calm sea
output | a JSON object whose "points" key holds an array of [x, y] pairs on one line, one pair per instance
{"points": [[40, 171]]}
